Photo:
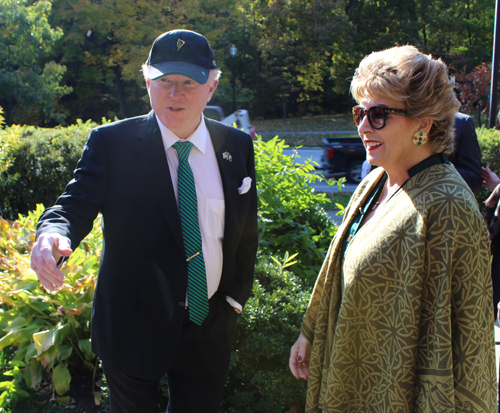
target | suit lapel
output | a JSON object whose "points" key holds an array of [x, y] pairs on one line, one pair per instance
{"points": [[151, 152], [223, 144]]}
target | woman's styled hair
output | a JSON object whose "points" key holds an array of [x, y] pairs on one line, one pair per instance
{"points": [[419, 81]]}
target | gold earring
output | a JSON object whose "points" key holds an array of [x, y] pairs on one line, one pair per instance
{"points": [[419, 138]]}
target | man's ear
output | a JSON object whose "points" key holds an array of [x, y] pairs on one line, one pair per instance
{"points": [[213, 86], [148, 81]]}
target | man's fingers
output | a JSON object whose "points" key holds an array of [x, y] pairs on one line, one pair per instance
{"points": [[64, 246], [44, 256], [50, 279]]}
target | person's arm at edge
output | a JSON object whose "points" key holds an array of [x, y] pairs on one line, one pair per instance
{"points": [[468, 153]]}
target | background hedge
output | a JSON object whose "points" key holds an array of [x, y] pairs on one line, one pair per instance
{"points": [[489, 142], [36, 164]]}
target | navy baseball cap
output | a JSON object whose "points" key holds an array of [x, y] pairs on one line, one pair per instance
{"points": [[181, 52]]}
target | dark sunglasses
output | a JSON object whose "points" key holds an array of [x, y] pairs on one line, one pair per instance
{"points": [[377, 115]]}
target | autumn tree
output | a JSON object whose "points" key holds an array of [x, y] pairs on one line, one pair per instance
{"points": [[106, 42], [474, 88]]}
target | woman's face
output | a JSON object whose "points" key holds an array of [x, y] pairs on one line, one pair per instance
{"points": [[390, 147]]}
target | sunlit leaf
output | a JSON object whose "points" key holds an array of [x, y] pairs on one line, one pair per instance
{"points": [[63, 401], [61, 379], [36, 373], [7, 340], [45, 339]]}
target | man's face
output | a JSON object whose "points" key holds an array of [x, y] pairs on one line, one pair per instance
{"points": [[179, 102]]}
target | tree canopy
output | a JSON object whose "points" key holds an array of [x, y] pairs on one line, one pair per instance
{"points": [[295, 57], [30, 82]]}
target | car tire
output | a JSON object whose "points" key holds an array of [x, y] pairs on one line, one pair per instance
{"points": [[354, 172]]}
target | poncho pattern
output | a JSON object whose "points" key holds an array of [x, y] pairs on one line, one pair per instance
{"points": [[404, 322]]}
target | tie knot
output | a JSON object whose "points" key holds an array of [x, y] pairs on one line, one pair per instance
{"points": [[183, 149]]}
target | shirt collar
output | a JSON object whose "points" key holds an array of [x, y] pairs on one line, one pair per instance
{"points": [[198, 138]]}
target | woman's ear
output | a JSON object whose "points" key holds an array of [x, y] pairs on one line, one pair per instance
{"points": [[425, 125]]}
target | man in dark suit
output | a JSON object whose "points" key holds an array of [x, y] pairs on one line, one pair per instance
{"points": [[467, 155], [145, 318]]}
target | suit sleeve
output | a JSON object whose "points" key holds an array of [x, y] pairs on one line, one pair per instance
{"points": [[467, 155], [75, 210]]}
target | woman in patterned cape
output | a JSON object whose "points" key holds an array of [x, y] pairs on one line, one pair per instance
{"points": [[400, 317]]}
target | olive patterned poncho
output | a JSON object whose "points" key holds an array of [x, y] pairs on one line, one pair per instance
{"points": [[403, 321]]}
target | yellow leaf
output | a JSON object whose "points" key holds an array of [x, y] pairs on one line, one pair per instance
{"points": [[47, 356], [43, 340], [63, 401]]}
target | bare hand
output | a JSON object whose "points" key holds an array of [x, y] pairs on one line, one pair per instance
{"points": [[45, 254], [300, 355], [490, 178]]}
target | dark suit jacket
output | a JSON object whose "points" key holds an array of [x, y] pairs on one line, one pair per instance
{"points": [[139, 299], [467, 154]]}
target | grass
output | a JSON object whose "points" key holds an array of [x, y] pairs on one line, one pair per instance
{"points": [[339, 122], [322, 123], [334, 198]]}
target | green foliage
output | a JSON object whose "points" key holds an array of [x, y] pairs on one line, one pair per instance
{"points": [[489, 142], [29, 82], [291, 215], [50, 332], [36, 164], [259, 378]]}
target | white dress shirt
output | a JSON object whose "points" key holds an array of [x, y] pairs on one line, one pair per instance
{"points": [[210, 196]]}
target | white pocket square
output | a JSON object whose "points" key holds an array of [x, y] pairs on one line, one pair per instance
{"points": [[245, 186]]}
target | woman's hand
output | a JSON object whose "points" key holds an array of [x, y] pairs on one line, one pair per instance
{"points": [[300, 355], [490, 178]]}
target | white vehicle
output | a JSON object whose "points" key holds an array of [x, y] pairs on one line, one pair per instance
{"points": [[240, 118]]}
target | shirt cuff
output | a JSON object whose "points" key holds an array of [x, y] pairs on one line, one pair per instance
{"points": [[236, 305]]}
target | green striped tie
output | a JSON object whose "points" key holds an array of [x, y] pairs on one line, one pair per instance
{"points": [[188, 206]]}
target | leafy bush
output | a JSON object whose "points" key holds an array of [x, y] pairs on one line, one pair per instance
{"points": [[259, 378], [489, 142], [49, 332], [36, 164], [291, 215]]}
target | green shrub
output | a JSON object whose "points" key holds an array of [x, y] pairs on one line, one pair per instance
{"points": [[36, 164], [291, 214], [259, 379], [50, 333], [489, 142]]}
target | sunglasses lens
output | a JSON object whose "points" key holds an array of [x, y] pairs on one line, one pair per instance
{"points": [[358, 115], [377, 117]]}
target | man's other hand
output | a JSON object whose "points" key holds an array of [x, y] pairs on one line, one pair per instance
{"points": [[46, 252]]}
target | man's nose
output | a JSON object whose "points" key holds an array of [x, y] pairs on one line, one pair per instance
{"points": [[174, 91]]}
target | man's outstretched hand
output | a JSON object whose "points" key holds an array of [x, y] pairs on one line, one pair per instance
{"points": [[45, 254]]}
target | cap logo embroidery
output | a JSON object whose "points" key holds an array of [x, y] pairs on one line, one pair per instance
{"points": [[180, 43]]}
